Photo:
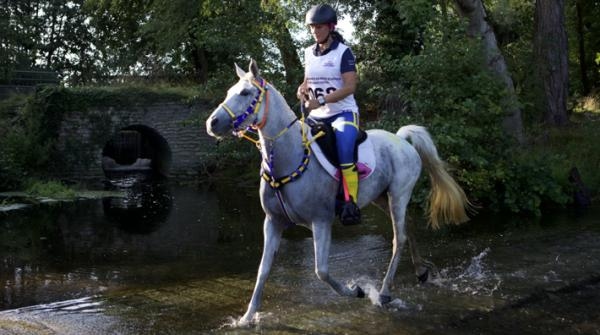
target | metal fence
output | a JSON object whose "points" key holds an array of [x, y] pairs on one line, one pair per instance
{"points": [[24, 82], [32, 78]]}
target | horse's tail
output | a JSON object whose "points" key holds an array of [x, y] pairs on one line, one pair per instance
{"points": [[447, 200]]}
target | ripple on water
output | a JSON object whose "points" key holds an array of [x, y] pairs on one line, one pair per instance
{"points": [[13, 207]]}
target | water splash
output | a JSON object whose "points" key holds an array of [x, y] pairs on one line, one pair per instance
{"points": [[474, 279], [551, 276], [233, 322], [476, 269]]}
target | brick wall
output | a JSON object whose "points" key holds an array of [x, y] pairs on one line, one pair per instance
{"points": [[83, 136]]}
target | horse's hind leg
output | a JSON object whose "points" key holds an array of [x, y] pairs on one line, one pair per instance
{"points": [[403, 231], [398, 211], [272, 237], [322, 242], [424, 269]]}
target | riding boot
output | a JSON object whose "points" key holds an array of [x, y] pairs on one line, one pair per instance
{"points": [[350, 213]]}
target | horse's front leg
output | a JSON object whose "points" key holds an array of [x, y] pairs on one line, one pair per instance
{"points": [[322, 242], [272, 232]]}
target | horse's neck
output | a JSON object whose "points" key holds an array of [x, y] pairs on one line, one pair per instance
{"points": [[285, 149]]}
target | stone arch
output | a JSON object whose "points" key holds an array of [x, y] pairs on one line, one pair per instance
{"points": [[137, 148]]}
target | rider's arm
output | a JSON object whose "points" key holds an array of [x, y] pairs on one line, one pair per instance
{"points": [[349, 79]]}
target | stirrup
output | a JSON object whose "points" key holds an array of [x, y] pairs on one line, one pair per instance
{"points": [[349, 213]]}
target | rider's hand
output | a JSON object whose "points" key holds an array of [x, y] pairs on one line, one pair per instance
{"points": [[311, 104], [302, 92]]}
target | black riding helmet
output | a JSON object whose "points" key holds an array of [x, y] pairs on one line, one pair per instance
{"points": [[321, 14]]}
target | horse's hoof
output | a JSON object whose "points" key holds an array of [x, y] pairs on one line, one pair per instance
{"points": [[245, 321], [384, 299], [423, 277]]}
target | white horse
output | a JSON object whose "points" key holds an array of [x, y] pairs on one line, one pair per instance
{"points": [[297, 189]]}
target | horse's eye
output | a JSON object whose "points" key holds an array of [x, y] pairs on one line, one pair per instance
{"points": [[245, 92]]}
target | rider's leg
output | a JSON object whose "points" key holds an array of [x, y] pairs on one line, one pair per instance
{"points": [[346, 131], [350, 180]]}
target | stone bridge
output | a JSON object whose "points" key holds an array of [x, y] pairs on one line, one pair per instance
{"points": [[161, 138]]}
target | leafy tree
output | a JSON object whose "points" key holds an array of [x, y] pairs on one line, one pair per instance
{"points": [[279, 28], [478, 27], [583, 30]]}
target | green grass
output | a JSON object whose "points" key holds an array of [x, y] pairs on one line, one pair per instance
{"points": [[49, 189]]}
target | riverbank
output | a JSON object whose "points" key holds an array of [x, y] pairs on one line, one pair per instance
{"points": [[16, 200]]}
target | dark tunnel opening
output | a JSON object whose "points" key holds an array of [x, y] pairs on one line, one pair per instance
{"points": [[136, 149]]}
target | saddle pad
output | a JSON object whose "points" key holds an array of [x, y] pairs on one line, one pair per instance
{"points": [[365, 164]]}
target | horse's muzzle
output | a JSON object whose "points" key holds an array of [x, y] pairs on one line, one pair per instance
{"points": [[211, 123], [216, 127]]}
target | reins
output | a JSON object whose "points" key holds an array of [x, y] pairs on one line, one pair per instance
{"points": [[267, 173]]}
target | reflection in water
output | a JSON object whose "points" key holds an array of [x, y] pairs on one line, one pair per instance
{"points": [[156, 233], [172, 259], [143, 208]]}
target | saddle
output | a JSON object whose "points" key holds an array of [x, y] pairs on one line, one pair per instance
{"points": [[325, 149], [327, 142]]}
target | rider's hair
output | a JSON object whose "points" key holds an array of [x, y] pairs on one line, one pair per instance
{"points": [[337, 36]]}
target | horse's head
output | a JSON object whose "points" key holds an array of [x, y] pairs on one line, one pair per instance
{"points": [[241, 105]]}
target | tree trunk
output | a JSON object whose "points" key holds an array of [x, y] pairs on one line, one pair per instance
{"points": [[200, 61], [291, 61], [550, 52], [478, 27], [585, 82]]}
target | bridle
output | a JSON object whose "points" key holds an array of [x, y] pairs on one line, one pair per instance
{"points": [[239, 130], [238, 120]]}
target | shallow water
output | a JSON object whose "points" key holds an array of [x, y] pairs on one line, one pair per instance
{"points": [[170, 259]]}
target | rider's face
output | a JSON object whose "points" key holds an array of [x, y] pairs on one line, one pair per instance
{"points": [[320, 32]]}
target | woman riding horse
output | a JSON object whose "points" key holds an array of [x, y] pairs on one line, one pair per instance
{"points": [[297, 188], [328, 92]]}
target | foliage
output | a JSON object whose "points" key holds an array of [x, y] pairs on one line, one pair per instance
{"points": [[512, 21], [233, 159], [98, 41], [583, 32], [25, 146], [525, 184], [574, 146], [49, 189], [448, 89], [415, 63]]}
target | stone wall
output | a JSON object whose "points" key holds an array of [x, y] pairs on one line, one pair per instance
{"points": [[84, 134]]}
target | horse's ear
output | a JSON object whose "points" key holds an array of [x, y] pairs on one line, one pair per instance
{"points": [[239, 71], [253, 68]]}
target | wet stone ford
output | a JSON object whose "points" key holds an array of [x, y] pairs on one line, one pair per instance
{"points": [[171, 259]]}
